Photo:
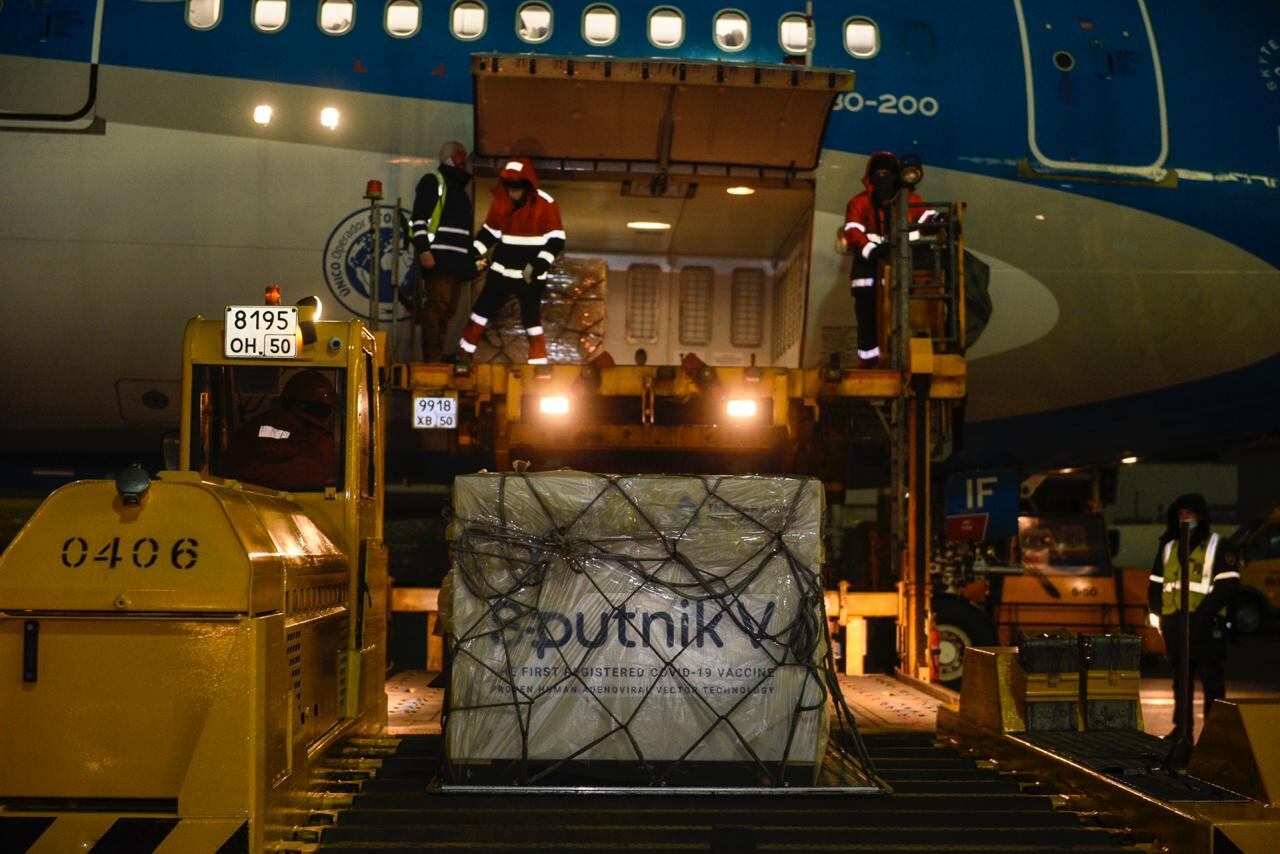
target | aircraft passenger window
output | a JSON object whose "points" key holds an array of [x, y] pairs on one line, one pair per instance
{"points": [[402, 18], [695, 305], [600, 25], [270, 16], [203, 14], [793, 33], [643, 282], [468, 20], [337, 17], [732, 30], [666, 27], [746, 314], [533, 23], [861, 37]]}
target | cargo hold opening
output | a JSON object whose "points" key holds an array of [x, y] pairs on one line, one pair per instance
{"points": [[722, 275]]}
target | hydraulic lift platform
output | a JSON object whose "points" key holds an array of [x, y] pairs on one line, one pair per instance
{"points": [[383, 795]]}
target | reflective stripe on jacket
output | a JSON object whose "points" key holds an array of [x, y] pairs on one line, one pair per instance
{"points": [[1200, 565]]}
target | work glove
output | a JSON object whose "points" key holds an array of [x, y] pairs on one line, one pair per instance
{"points": [[535, 269], [875, 248]]}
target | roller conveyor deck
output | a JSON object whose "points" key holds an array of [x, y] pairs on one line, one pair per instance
{"points": [[942, 800]]}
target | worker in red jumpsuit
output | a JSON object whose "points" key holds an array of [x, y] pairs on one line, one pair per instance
{"points": [[524, 232], [290, 446], [868, 223]]}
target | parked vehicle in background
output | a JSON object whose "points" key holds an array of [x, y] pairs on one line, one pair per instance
{"points": [[1055, 574], [1259, 598]]}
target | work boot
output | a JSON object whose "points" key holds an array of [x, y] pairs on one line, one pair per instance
{"points": [[537, 349], [472, 334]]}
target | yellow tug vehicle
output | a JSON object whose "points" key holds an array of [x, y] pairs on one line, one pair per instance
{"points": [[177, 655]]}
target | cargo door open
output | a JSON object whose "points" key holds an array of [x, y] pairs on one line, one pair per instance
{"points": [[688, 183], [651, 112]]}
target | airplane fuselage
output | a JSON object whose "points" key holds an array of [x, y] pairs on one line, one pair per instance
{"points": [[1120, 164]]}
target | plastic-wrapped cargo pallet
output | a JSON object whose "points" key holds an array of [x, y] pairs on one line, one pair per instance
{"points": [[650, 628], [572, 315]]}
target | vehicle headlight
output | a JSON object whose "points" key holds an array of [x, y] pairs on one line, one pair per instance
{"points": [[553, 405]]}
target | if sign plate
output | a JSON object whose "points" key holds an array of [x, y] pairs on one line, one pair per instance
{"points": [[993, 493]]}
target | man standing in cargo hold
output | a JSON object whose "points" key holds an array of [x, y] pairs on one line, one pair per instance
{"points": [[868, 222], [441, 231], [524, 224], [1215, 578]]}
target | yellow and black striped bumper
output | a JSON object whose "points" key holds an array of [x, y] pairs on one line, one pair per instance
{"points": [[106, 833]]}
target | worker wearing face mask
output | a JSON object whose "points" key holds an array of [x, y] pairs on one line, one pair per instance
{"points": [[441, 232], [524, 233], [1215, 577], [868, 222]]}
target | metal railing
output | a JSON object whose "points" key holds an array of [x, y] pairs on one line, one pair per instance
{"points": [[933, 263]]}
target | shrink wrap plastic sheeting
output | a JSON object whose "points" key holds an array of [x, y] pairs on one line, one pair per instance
{"points": [[572, 318], [654, 620]]}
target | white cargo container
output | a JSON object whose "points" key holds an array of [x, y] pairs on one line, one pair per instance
{"points": [[648, 624]]}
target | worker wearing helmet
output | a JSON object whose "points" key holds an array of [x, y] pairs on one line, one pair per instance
{"points": [[524, 232], [1214, 580], [441, 232], [868, 221], [290, 446]]}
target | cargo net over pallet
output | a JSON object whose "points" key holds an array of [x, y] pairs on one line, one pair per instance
{"points": [[572, 317], [644, 631]]}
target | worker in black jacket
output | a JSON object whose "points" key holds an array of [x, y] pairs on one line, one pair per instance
{"points": [[1213, 566], [441, 232]]}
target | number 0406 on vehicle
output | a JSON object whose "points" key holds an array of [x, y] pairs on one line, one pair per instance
{"points": [[435, 413]]}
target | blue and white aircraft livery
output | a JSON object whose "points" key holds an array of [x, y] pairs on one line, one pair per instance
{"points": [[1120, 162]]}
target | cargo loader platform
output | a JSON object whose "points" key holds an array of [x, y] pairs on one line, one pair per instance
{"points": [[1226, 799], [942, 799], [1122, 776], [386, 797]]}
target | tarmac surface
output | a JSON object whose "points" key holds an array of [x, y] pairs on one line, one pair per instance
{"points": [[1253, 672]]}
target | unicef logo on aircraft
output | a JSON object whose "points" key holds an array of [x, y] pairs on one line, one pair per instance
{"points": [[346, 263]]}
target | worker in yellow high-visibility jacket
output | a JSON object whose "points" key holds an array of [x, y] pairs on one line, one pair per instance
{"points": [[1214, 571], [441, 234]]}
